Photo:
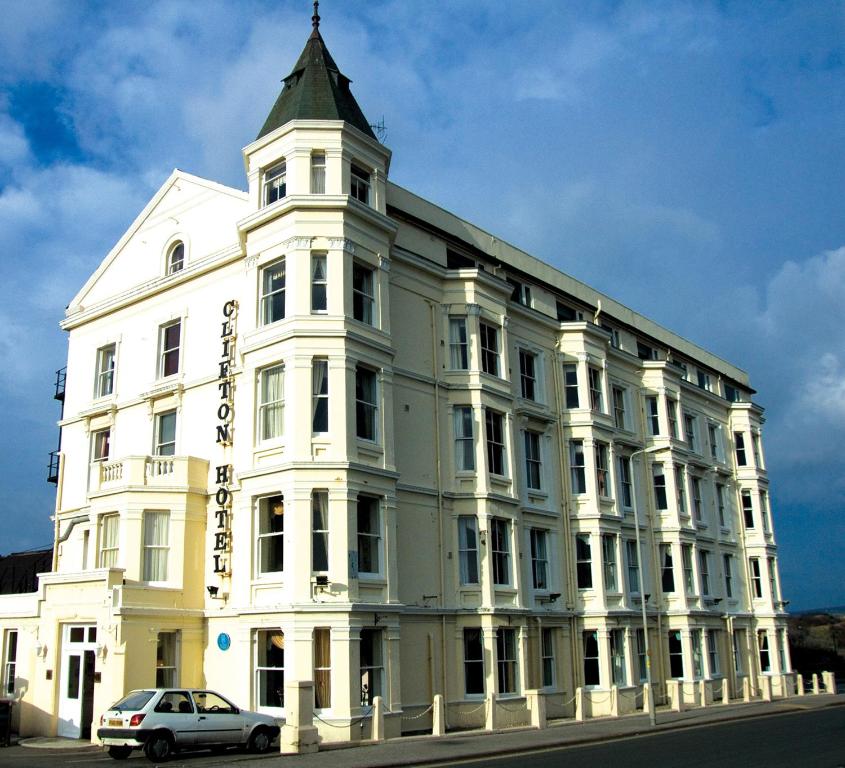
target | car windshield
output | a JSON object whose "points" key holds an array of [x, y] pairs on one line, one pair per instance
{"points": [[134, 701]]}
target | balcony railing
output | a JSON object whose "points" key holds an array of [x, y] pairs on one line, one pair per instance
{"points": [[149, 472], [53, 468], [61, 376]]}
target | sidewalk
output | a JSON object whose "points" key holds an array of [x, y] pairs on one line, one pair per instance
{"points": [[428, 750]]}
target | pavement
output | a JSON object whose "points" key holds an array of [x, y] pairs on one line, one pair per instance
{"points": [[465, 745]]}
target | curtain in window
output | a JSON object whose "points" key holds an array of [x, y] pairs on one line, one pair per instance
{"points": [[156, 534], [272, 402], [322, 668], [108, 544], [320, 396], [320, 531]]}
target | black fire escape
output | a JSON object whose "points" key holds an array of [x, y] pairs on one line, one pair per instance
{"points": [[53, 467]]}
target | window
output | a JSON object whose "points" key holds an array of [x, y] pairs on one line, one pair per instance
{"points": [[506, 660], [576, 466], [166, 434], [782, 639], [714, 437], [570, 385], [696, 499], [271, 403], [104, 382], [755, 447], [271, 535], [533, 463], [642, 662], [720, 504], [659, 483], [728, 565], [458, 345], [495, 442], [521, 292], [704, 380], [100, 445], [464, 444], [591, 658], [473, 662], [270, 668], [528, 374], [169, 336], [176, 258], [763, 645], [617, 657], [713, 652], [547, 657], [633, 557], [273, 293], [681, 489], [167, 650], [500, 550], [584, 561], [275, 183], [109, 540], [619, 407], [697, 658], [689, 579], [360, 184], [773, 587], [626, 488], [372, 665], [764, 510], [689, 431], [320, 531], [10, 661], [366, 404], [608, 556], [645, 352], [614, 335], [747, 509], [676, 654], [539, 559], [667, 570], [596, 393], [565, 314], [489, 349], [468, 549], [672, 410], [739, 447], [369, 535], [322, 668], [756, 580], [732, 394], [156, 545], [602, 473], [363, 294], [739, 644], [319, 283], [319, 396], [318, 173], [652, 415], [704, 571]]}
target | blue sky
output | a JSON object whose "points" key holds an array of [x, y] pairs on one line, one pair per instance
{"points": [[685, 158]]}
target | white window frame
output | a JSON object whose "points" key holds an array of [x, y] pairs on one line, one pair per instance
{"points": [[319, 394], [458, 344], [271, 410], [371, 667], [318, 172], [609, 562], [572, 398], [176, 257], [269, 637], [104, 377], [164, 447], [494, 434], [583, 561], [274, 183], [269, 510], [540, 562], [464, 426], [109, 540], [620, 409], [10, 662], [366, 411], [500, 551], [601, 452], [468, 552], [319, 283], [269, 311], [167, 350], [168, 643], [319, 528], [533, 460], [507, 661], [360, 183], [632, 558], [371, 538], [596, 384], [489, 334], [577, 467], [151, 546], [529, 378], [547, 658]]}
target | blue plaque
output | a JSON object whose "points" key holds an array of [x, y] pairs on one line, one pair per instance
{"points": [[224, 641]]}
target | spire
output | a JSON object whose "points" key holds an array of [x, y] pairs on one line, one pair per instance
{"points": [[316, 89]]}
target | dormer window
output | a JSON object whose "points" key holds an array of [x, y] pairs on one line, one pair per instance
{"points": [[360, 185], [176, 258], [275, 183]]}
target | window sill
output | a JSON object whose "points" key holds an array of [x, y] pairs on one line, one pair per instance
{"points": [[370, 447], [376, 579]]}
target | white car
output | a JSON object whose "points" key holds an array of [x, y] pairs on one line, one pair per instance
{"points": [[164, 720]]}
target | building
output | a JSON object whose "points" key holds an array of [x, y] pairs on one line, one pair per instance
{"points": [[325, 430]]}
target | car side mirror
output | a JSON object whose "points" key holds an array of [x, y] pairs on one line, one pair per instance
{"points": [[235, 711]]}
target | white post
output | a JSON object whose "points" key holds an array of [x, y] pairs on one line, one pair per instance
{"points": [[785, 684], [746, 690], [579, 704], [726, 691], [614, 701], [766, 687], [438, 716], [490, 723], [702, 693], [299, 736], [799, 684], [815, 684], [829, 682], [648, 703], [537, 707], [378, 719]]}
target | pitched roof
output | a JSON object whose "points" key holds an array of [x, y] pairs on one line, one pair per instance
{"points": [[316, 90]]}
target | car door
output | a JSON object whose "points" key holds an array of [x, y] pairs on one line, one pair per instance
{"points": [[218, 720], [176, 712]]}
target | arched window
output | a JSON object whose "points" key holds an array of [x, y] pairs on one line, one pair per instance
{"points": [[176, 258]]}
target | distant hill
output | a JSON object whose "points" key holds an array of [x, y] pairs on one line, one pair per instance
{"points": [[837, 610]]}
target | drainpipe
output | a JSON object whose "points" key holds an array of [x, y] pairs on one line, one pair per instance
{"points": [[56, 509]]}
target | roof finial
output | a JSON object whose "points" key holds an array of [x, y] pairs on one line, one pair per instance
{"points": [[315, 19]]}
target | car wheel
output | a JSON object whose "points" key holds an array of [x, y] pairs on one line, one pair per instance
{"points": [[158, 748], [260, 741], [120, 753]]}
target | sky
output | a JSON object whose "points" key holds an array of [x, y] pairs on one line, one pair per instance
{"points": [[686, 158]]}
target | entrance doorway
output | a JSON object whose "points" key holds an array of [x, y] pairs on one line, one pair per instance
{"points": [[76, 681]]}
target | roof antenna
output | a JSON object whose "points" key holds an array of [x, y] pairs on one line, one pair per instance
{"points": [[315, 19]]}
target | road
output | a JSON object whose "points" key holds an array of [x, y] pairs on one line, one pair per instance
{"points": [[810, 739]]}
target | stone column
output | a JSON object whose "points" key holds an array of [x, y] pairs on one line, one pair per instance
{"points": [[438, 716], [299, 736]]}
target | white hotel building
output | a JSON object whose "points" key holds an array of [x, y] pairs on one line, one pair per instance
{"points": [[325, 430]]}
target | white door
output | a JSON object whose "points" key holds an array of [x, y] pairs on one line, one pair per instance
{"points": [[76, 680]]}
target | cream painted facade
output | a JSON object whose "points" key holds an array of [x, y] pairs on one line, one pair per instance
{"points": [[406, 457]]}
